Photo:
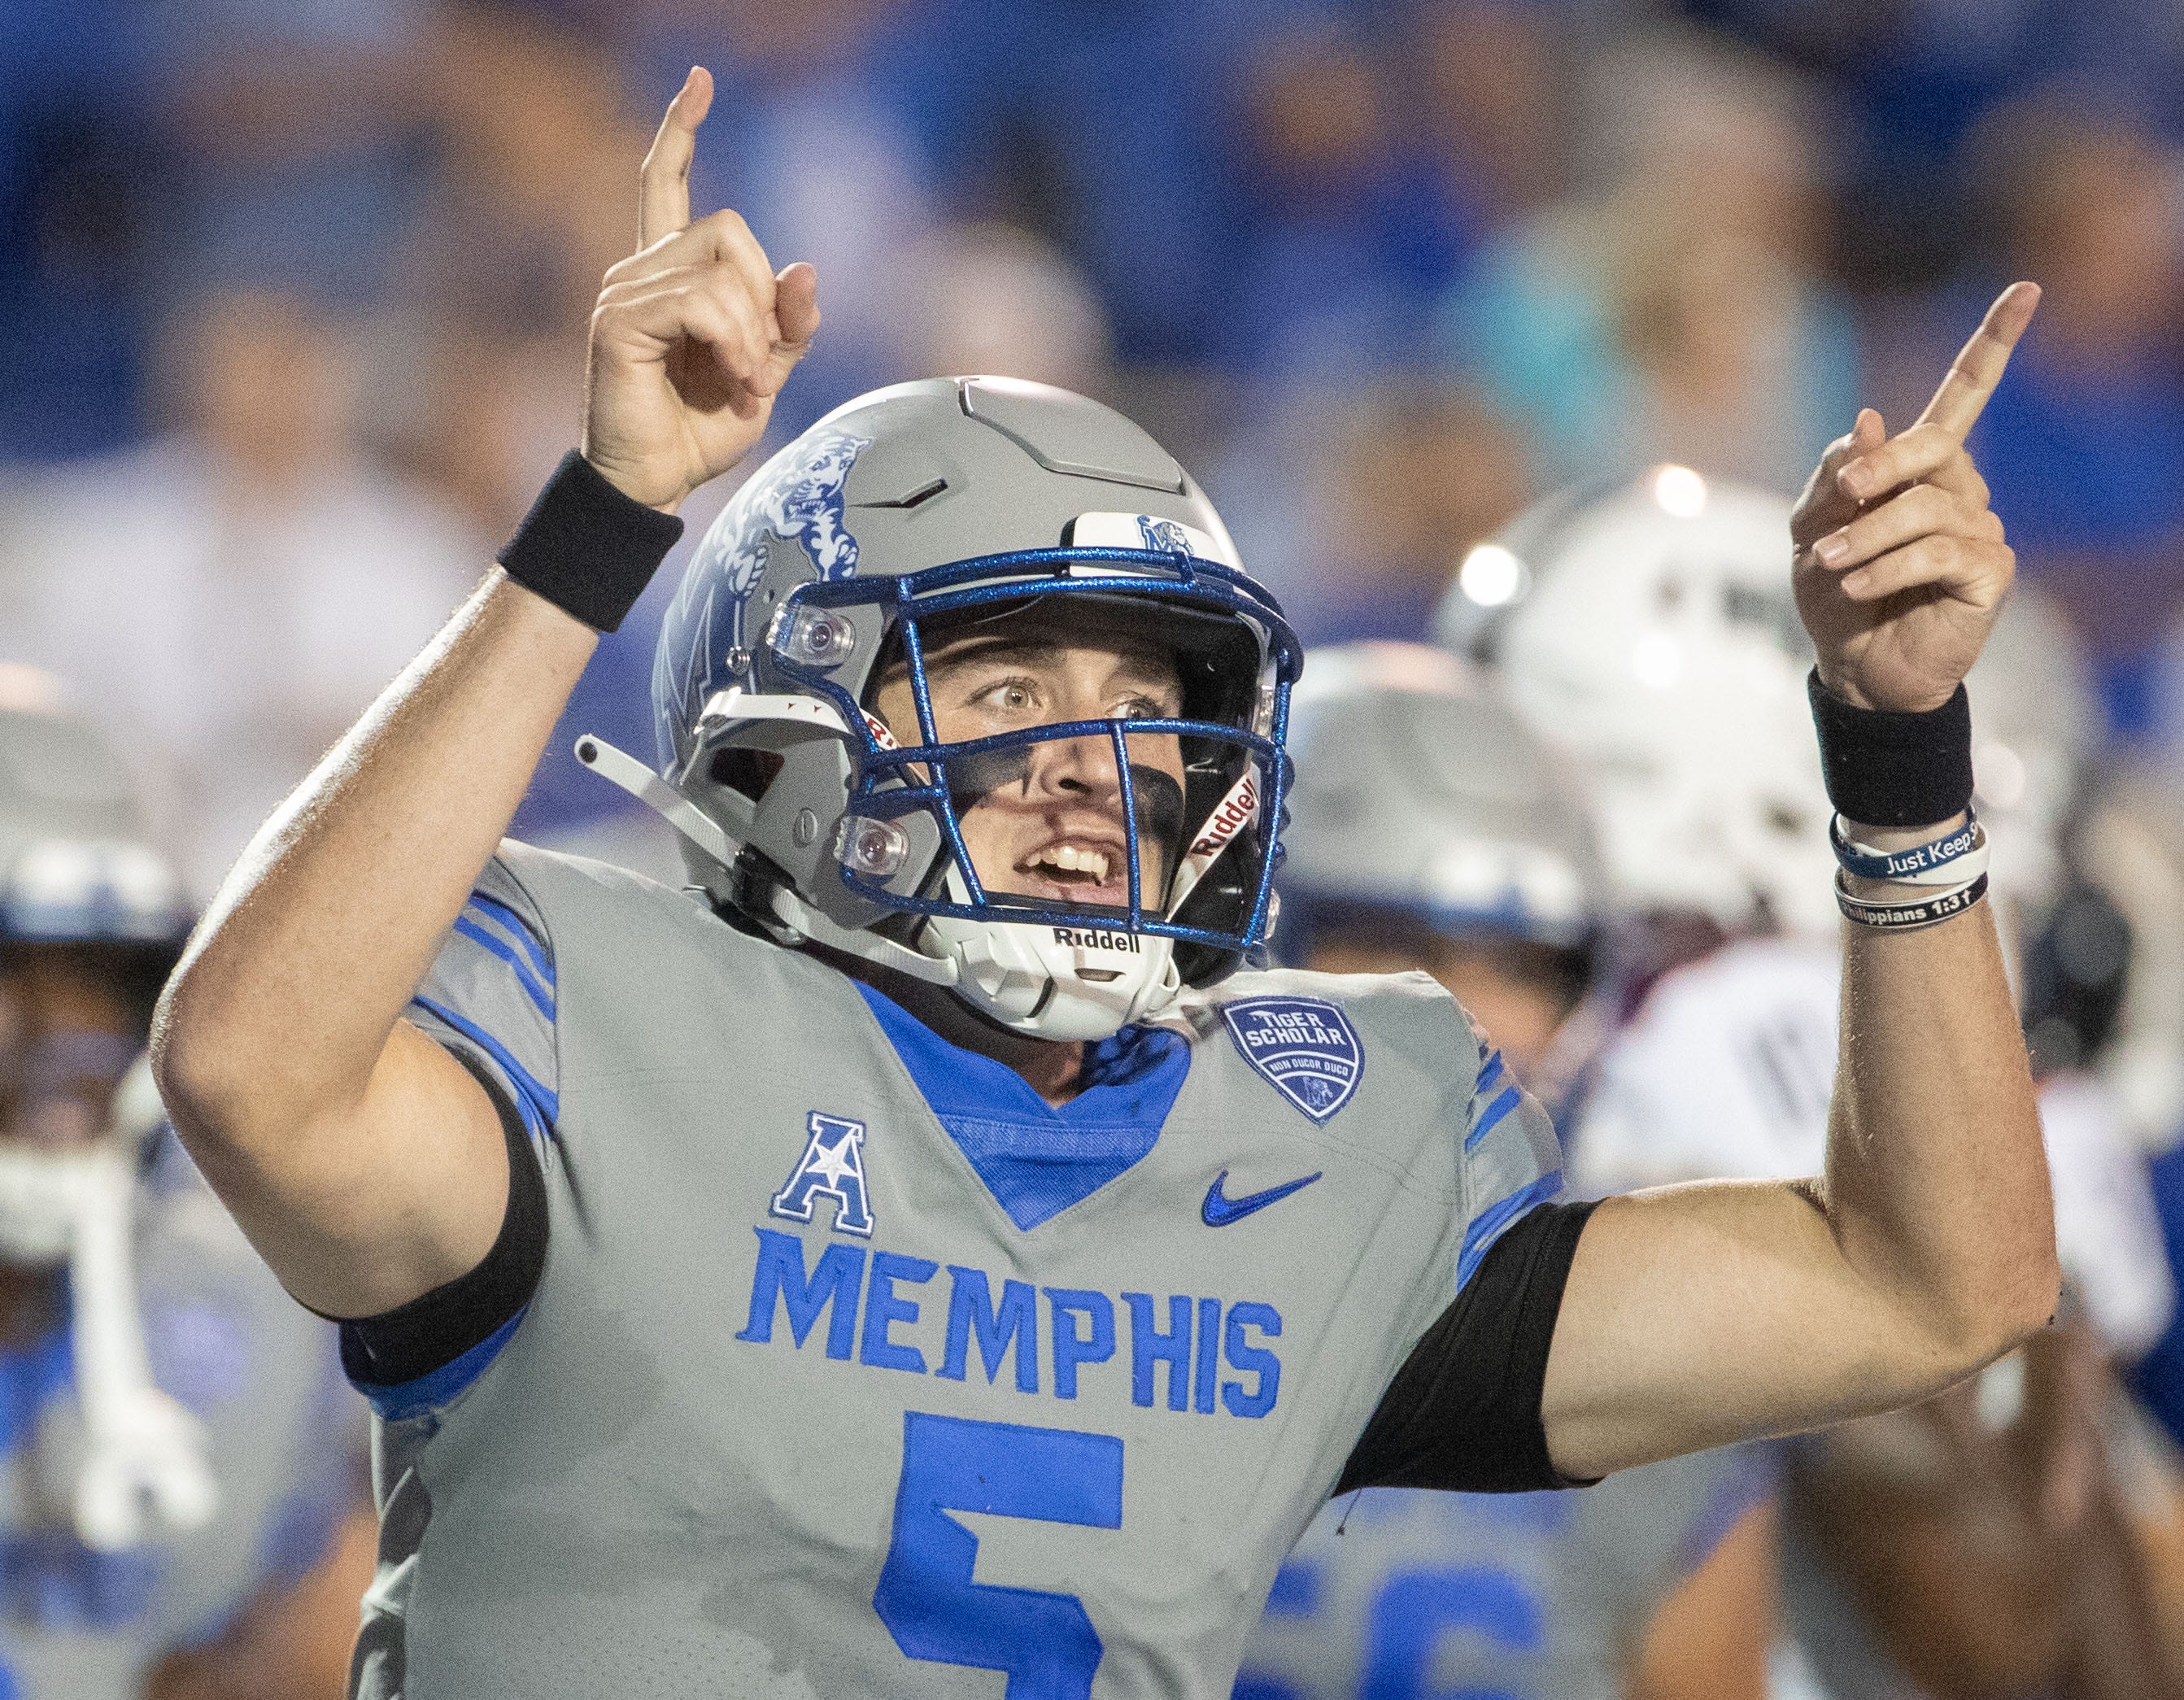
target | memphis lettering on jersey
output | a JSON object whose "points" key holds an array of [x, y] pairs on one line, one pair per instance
{"points": [[882, 1310]]}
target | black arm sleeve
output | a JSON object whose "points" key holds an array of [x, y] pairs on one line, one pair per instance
{"points": [[433, 1330], [1463, 1412]]}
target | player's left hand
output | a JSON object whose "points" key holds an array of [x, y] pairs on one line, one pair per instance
{"points": [[1901, 567]]}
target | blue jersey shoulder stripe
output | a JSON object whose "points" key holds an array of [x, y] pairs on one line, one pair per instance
{"points": [[433, 1390], [491, 941], [1510, 1098], [1489, 1071], [518, 929], [1491, 1223], [544, 1102], [534, 1124]]}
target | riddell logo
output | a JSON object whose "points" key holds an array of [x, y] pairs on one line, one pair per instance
{"points": [[1241, 803], [1088, 939]]}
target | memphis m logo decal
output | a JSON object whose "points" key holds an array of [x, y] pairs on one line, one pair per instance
{"points": [[833, 1166]]}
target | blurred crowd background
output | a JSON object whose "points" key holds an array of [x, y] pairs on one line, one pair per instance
{"points": [[295, 294]]}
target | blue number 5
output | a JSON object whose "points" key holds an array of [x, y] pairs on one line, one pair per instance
{"points": [[925, 1598]]}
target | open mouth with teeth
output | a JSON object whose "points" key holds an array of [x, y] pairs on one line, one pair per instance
{"points": [[1077, 871]]}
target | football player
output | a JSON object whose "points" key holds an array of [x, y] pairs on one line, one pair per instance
{"points": [[2114, 973], [1431, 831], [1689, 661], [174, 1457], [918, 1264]]}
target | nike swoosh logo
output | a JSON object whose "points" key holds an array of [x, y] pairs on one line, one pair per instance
{"points": [[1219, 1211]]}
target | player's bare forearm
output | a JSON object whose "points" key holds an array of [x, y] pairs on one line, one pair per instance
{"points": [[1721, 1311], [2115, 1636], [1992, 1561], [1701, 1314], [279, 1043], [1937, 1187], [1709, 1640], [365, 1161]]}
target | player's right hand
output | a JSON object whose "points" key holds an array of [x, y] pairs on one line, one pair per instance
{"points": [[694, 334], [1900, 566]]}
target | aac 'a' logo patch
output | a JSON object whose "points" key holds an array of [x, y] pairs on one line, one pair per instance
{"points": [[1306, 1047], [833, 1166]]}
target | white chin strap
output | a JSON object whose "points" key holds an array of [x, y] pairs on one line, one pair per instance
{"points": [[1054, 982], [144, 1471], [1085, 982]]}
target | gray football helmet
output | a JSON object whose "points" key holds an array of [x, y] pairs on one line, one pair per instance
{"points": [[1421, 795], [904, 515], [76, 870], [75, 863]]}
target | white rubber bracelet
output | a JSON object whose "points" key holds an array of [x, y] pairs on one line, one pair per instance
{"points": [[1956, 858]]}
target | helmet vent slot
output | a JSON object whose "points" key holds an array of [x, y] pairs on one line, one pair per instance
{"points": [[923, 494], [748, 772]]}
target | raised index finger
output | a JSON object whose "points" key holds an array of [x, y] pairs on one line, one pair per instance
{"points": [[1978, 366], [663, 205]]}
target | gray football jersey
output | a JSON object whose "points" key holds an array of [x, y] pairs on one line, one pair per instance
{"points": [[1396, 1593], [819, 1396], [287, 1436]]}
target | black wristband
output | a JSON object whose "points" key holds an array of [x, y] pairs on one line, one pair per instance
{"points": [[1888, 768], [587, 547]]}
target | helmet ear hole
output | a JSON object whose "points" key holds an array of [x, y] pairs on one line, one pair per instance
{"points": [[748, 772]]}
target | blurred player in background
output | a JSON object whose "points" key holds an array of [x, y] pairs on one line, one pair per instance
{"points": [[1649, 634], [1431, 831], [1646, 632], [1995, 1539], [178, 1464], [2104, 983], [2108, 974]]}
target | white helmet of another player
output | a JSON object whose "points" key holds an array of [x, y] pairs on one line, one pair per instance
{"points": [[2102, 971], [1650, 633]]}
